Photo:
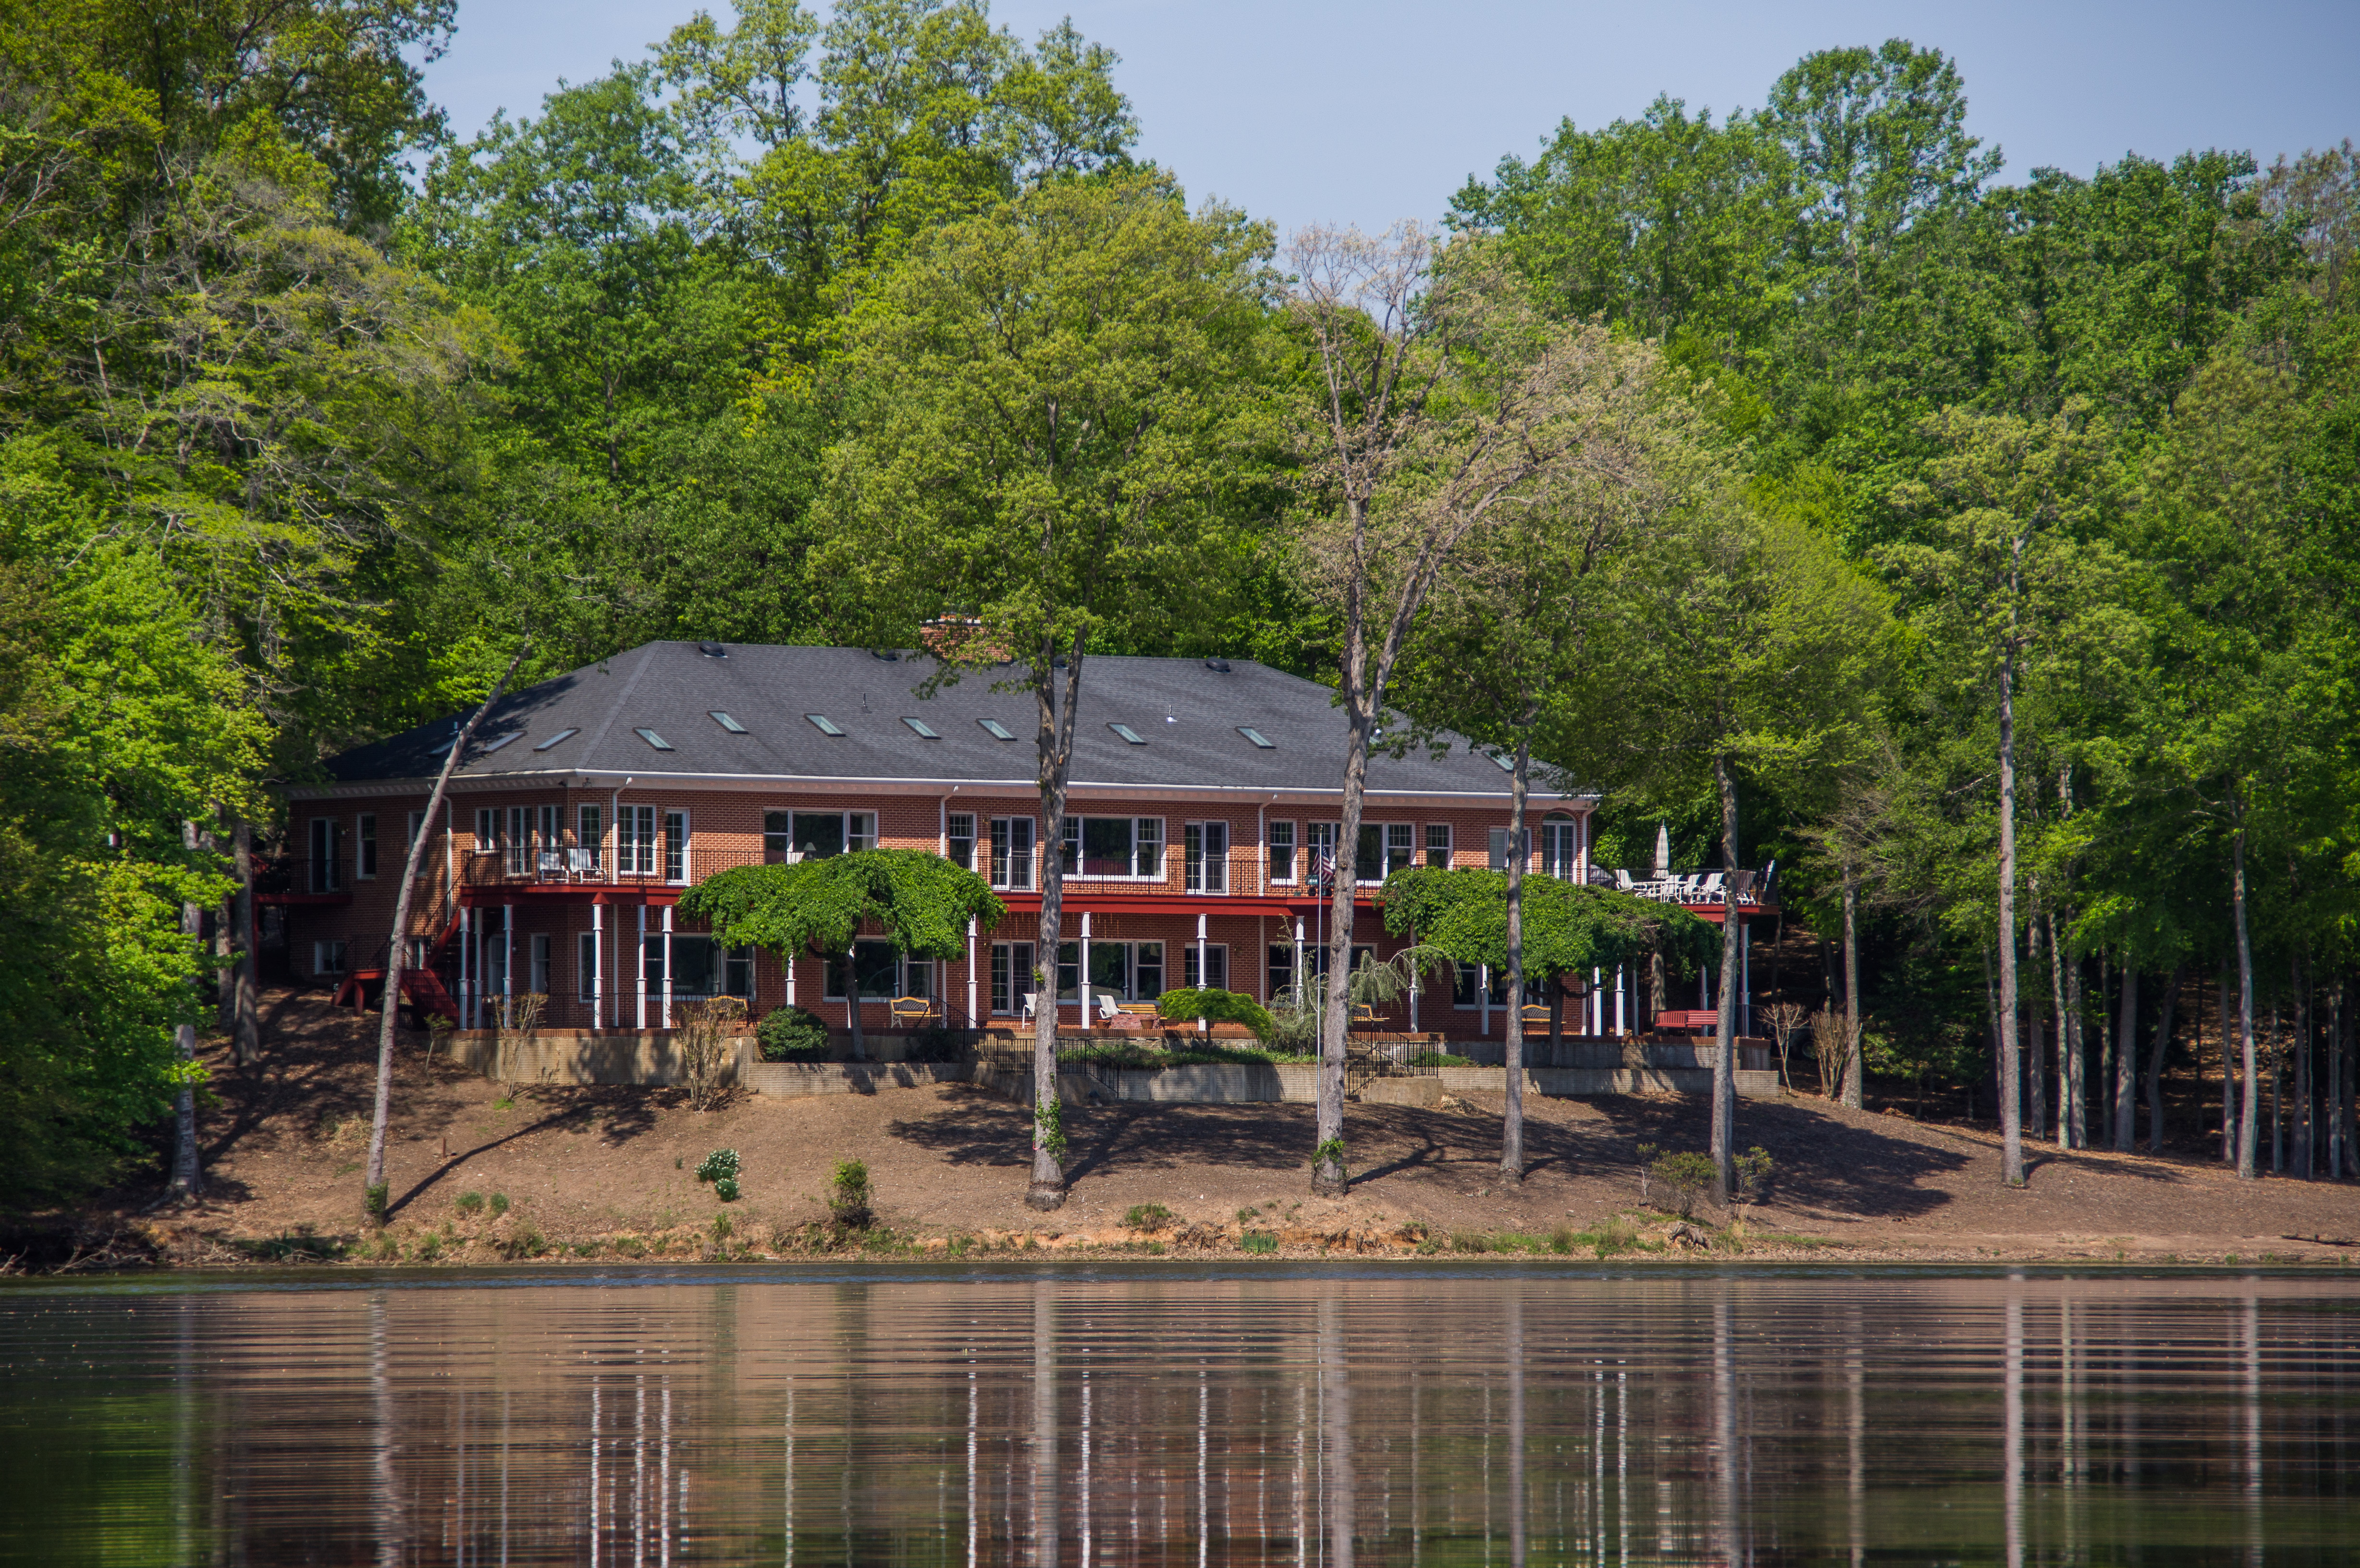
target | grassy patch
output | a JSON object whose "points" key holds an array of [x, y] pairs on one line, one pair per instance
{"points": [[1259, 1241], [1147, 1216]]}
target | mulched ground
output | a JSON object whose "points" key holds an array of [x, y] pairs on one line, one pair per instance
{"points": [[612, 1170]]}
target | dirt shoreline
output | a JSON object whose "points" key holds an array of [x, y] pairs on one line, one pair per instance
{"points": [[606, 1175]]}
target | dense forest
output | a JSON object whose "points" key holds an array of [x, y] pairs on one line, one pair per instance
{"points": [[1985, 553]]}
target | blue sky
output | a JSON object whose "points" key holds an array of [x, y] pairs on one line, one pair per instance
{"points": [[1369, 112]]}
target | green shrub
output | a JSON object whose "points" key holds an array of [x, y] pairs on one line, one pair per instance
{"points": [[726, 1189], [792, 1034], [470, 1202], [1470, 1241], [1754, 1169], [499, 1203], [1258, 1241], [721, 1165], [1147, 1216], [848, 1197], [1689, 1177], [1188, 1004], [526, 1243], [722, 1228], [1561, 1239]]}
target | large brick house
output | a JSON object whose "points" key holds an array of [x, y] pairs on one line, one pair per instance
{"points": [[1204, 793]]}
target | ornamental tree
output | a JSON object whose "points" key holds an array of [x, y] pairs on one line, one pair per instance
{"points": [[920, 901]]}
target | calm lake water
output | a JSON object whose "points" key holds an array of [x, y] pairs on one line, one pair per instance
{"points": [[1277, 1414]]}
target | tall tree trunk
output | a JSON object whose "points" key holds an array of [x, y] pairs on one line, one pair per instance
{"points": [[852, 1022], [2155, 1062], [188, 1181], [1511, 1125], [2011, 1105], [2224, 1013], [2277, 1096], [2126, 1064], [374, 1194], [2036, 1091], [245, 978], [2303, 1119], [1056, 714], [2347, 1051], [1855, 1075], [2249, 1113], [2105, 1055], [2057, 968], [1724, 1066]]}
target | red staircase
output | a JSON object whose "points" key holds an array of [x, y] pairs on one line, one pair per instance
{"points": [[421, 988]]}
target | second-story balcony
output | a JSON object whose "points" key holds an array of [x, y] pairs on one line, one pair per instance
{"points": [[1697, 889]]}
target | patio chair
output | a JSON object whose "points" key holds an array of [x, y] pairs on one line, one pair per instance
{"points": [[1109, 1008], [1032, 1002], [1622, 881]]}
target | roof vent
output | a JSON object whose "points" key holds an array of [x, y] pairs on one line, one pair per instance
{"points": [[1129, 733], [712, 650], [1218, 665]]}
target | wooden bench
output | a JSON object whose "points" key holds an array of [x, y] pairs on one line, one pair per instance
{"points": [[915, 1012]]}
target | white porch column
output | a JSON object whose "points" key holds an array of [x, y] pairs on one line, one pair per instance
{"points": [[508, 964], [1082, 971], [667, 990], [974, 934], [598, 965], [639, 974], [1597, 1002], [1203, 977], [1744, 976], [787, 962], [1621, 1027], [1483, 979], [467, 967], [1299, 977]]}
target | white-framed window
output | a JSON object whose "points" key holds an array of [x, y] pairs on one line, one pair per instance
{"points": [[488, 830], [1280, 839], [737, 972], [1011, 853], [1206, 849], [1465, 991], [880, 970], [328, 958], [589, 838], [815, 835], [1319, 840], [365, 846], [1012, 976], [1127, 971], [1280, 973], [1114, 846], [1384, 848], [1500, 849], [958, 839], [1437, 845], [1560, 847], [539, 975], [518, 842], [327, 871], [549, 839], [1217, 966], [675, 846], [635, 841], [586, 969], [414, 823]]}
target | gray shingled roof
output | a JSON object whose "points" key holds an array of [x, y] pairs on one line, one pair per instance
{"points": [[1187, 714]]}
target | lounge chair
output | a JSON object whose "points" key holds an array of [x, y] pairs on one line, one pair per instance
{"points": [[1109, 1008]]}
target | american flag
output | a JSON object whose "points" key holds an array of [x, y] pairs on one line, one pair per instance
{"points": [[1323, 869]]}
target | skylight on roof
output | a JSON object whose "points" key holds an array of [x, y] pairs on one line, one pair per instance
{"points": [[496, 745], [1129, 733], [1507, 764], [997, 730], [654, 739], [823, 724], [724, 721], [924, 730], [553, 740], [1256, 737]]}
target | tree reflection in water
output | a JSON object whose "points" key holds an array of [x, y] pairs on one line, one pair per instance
{"points": [[1254, 1415]]}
